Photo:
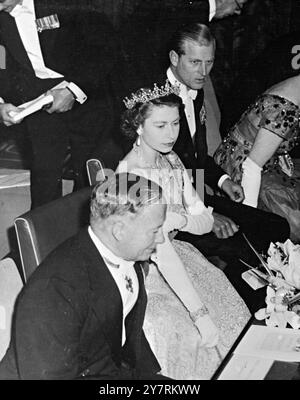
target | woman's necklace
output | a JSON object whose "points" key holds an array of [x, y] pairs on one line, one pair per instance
{"points": [[147, 164]]}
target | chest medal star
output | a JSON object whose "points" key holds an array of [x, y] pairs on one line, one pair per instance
{"points": [[129, 285]]}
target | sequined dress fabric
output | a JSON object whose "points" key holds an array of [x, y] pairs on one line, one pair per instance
{"points": [[280, 184], [168, 327]]}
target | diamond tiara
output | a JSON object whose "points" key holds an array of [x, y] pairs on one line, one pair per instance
{"points": [[145, 95]]}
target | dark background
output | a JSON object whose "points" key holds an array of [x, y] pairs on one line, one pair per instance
{"points": [[254, 51]]}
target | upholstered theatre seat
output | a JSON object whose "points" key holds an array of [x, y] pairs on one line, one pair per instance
{"points": [[95, 171], [41, 230]]}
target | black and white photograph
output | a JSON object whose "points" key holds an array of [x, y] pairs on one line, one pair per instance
{"points": [[149, 193]]}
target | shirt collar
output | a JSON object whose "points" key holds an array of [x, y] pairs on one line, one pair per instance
{"points": [[107, 254], [184, 91], [26, 6]]}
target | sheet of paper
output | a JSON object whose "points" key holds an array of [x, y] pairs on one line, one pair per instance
{"points": [[61, 85], [34, 106], [244, 367], [253, 280], [271, 343]]}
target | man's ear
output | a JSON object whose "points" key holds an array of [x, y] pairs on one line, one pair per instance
{"points": [[118, 230], [173, 58]]}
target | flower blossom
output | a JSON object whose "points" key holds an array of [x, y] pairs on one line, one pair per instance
{"points": [[276, 313]]}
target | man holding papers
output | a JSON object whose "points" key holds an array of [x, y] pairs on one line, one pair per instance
{"points": [[65, 51]]}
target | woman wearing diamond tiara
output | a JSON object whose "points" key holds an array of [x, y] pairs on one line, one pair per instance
{"points": [[194, 315]]}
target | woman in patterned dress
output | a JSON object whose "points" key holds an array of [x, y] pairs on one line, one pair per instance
{"points": [[194, 314], [256, 152]]}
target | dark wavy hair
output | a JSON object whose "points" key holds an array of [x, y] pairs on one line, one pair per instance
{"points": [[132, 118], [195, 32]]}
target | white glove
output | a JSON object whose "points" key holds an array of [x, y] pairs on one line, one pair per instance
{"points": [[199, 224], [208, 331], [174, 221], [251, 182]]}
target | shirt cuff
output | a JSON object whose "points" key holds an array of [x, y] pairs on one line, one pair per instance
{"points": [[80, 96], [1, 101], [222, 179], [212, 9]]}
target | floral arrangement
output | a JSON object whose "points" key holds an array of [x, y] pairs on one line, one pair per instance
{"points": [[282, 267]]}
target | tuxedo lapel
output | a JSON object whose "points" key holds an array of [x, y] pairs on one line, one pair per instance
{"points": [[200, 136], [184, 145], [106, 300], [184, 140], [134, 321], [12, 40], [107, 304]]}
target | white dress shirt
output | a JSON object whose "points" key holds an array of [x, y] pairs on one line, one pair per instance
{"points": [[24, 15], [124, 275], [212, 9], [187, 96]]}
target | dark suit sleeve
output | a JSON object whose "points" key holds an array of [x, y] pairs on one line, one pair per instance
{"points": [[4, 84], [47, 331], [212, 173], [4, 78]]}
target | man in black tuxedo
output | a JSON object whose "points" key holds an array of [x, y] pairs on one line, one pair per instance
{"points": [[81, 313], [47, 43], [148, 29], [191, 55]]}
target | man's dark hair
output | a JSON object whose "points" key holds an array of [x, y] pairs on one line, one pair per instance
{"points": [[195, 32]]}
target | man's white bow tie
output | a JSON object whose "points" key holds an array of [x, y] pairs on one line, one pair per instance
{"points": [[185, 92], [189, 94], [192, 94]]}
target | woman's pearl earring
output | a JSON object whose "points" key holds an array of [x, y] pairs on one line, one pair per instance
{"points": [[138, 139]]}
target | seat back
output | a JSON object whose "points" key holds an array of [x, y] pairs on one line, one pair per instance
{"points": [[10, 286], [41, 230], [95, 171]]}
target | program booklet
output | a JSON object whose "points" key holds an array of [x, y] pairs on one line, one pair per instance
{"points": [[37, 104], [262, 350]]}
